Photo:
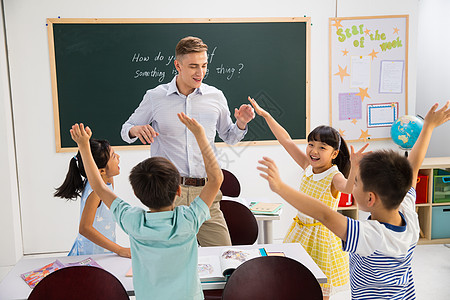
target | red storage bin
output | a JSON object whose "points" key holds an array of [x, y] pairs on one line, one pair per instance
{"points": [[345, 200], [422, 189]]}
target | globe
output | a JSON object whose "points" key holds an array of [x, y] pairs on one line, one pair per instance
{"points": [[406, 130]]}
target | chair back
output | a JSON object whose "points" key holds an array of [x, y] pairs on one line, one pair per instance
{"points": [[79, 282], [272, 277], [230, 186], [241, 222]]}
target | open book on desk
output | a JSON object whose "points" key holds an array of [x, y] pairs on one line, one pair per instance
{"points": [[218, 267]]}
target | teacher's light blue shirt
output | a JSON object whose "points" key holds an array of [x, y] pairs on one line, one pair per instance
{"points": [[160, 106], [163, 249]]}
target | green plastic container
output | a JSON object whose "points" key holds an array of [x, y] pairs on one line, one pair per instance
{"points": [[440, 223], [441, 186]]}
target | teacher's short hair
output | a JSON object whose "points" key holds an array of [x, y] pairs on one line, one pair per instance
{"points": [[189, 44]]}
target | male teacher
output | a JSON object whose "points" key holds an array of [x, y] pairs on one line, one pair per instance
{"points": [[171, 139]]}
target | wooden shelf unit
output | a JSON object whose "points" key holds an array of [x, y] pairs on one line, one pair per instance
{"points": [[424, 210]]}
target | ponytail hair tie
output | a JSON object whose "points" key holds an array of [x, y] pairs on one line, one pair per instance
{"points": [[75, 157]]}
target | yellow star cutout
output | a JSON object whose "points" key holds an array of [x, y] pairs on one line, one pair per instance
{"points": [[337, 23], [365, 135], [396, 30], [363, 93], [342, 73], [367, 31], [354, 121], [345, 52], [373, 54], [341, 132]]}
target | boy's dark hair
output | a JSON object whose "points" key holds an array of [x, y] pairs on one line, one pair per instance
{"points": [[188, 45], [155, 182], [387, 174], [74, 183], [331, 137]]}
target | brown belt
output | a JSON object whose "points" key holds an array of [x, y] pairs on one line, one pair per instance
{"points": [[193, 181]]}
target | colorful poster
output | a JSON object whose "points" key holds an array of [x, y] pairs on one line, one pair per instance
{"points": [[368, 69]]}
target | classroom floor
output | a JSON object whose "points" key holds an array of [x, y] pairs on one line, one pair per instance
{"points": [[431, 269]]}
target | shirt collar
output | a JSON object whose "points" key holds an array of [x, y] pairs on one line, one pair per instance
{"points": [[172, 89], [320, 176], [401, 228]]}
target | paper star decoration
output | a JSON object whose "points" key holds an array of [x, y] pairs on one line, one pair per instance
{"points": [[365, 135], [341, 132], [342, 73], [345, 52], [363, 93], [396, 30], [354, 121], [337, 23], [373, 54], [367, 31]]}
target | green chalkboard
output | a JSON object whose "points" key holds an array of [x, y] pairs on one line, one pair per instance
{"points": [[101, 70]]}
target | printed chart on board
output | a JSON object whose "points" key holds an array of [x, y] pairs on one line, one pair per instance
{"points": [[368, 75]]}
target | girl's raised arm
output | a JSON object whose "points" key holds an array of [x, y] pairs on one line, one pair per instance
{"points": [[282, 136]]}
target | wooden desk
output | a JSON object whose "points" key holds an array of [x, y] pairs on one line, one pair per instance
{"points": [[14, 287]]}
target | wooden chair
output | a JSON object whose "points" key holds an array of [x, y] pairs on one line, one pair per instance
{"points": [[272, 277], [80, 282]]}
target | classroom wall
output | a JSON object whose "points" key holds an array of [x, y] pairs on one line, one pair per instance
{"points": [[50, 224], [433, 67], [10, 232]]}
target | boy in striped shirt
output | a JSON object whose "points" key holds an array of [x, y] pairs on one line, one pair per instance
{"points": [[381, 247]]}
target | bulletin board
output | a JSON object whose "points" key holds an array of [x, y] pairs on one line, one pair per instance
{"points": [[368, 75]]}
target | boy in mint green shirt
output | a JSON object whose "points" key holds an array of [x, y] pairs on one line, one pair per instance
{"points": [[162, 240]]}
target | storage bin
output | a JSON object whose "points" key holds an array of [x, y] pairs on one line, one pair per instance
{"points": [[345, 200], [440, 223], [422, 189], [441, 186]]}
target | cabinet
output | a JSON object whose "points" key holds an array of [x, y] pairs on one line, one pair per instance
{"points": [[424, 210]]}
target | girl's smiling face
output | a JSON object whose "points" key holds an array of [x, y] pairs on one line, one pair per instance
{"points": [[112, 167], [320, 155]]}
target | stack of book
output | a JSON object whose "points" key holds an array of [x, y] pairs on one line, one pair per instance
{"points": [[263, 208]]}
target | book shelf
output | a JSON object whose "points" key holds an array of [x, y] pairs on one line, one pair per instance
{"points": [[424, 210]]}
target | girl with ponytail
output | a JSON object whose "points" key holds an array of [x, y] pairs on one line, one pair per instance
{"points": [[97, 230]]}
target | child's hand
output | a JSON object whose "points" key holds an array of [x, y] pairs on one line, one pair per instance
{"points": [[436, 118], [124, 252], [80, 134], [355, 157], [258, 108], [195, 127], [271, 173]]}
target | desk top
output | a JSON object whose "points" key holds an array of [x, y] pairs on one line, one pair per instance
{"points": [[14, 287]]}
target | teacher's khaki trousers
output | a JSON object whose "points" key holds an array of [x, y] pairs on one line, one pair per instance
{"points": [[214, 232]]}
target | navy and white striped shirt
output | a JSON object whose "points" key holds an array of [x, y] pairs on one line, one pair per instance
{"points": [[160, 106], [381, 254]]}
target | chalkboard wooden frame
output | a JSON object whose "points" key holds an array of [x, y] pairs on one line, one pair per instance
{"points": [[54, 78]]}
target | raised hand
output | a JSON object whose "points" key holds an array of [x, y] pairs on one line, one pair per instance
{"points": [[80, 134], [436, 118], [270, 173], [195, 127], [258, 108], [355, 157]]}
